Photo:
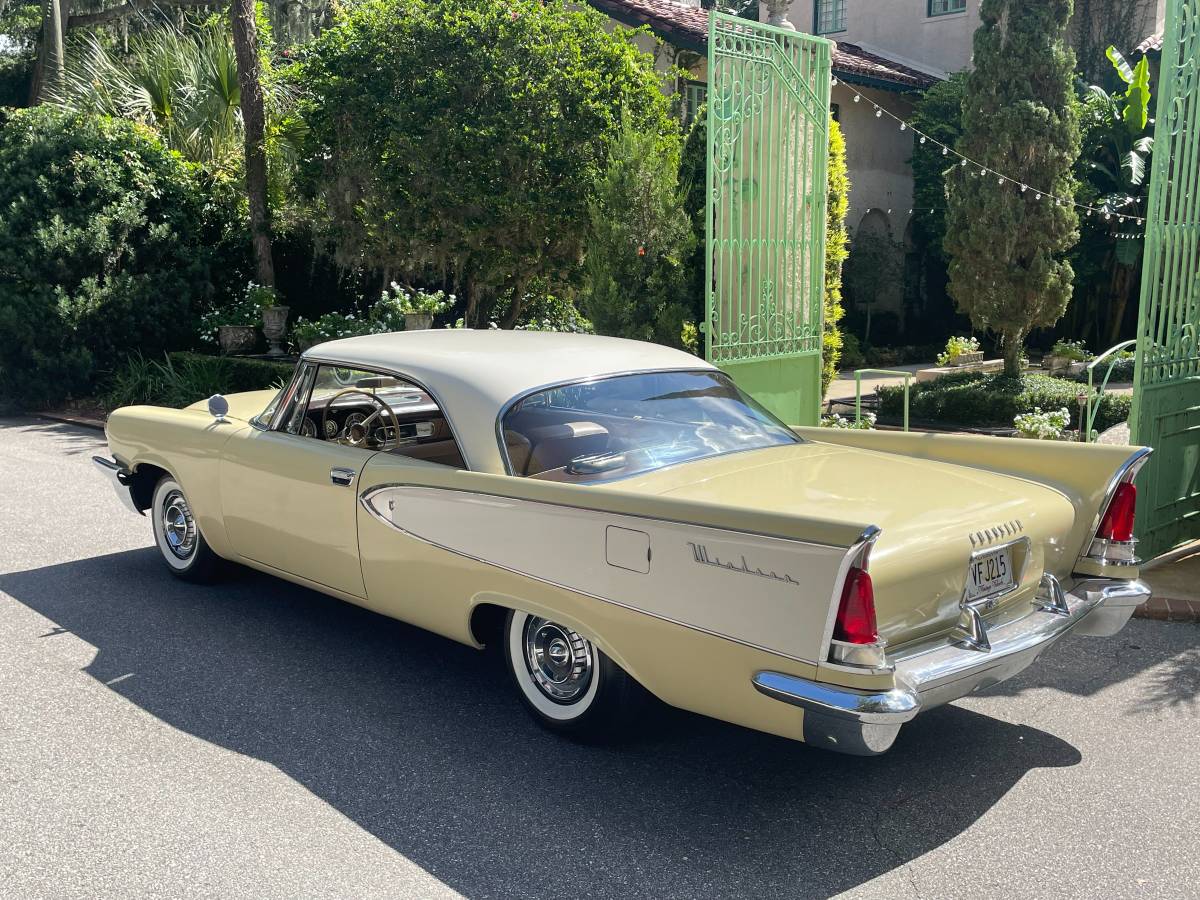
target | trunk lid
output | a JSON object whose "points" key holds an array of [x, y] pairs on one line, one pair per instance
{"points": [[933, 516]]}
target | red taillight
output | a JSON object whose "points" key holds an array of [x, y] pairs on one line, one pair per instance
{"points": [[855, 623], [1117, 524]]}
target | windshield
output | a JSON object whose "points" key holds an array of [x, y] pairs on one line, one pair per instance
{"points": [[621, 426]]}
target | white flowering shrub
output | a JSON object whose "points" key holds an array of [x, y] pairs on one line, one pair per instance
{"points": [[1044, 426], [956, 347], [833, 420]]}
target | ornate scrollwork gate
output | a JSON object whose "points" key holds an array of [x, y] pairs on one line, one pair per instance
{"points": [[1166, 404], [768, 124]]}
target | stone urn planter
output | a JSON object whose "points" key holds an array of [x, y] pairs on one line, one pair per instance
{"points": [[275, 327], [1055, 365], [307, 343], [966, 359], [237, 338], [417, 321]]}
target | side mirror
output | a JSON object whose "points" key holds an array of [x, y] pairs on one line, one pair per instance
{"points": [[218, 407]]}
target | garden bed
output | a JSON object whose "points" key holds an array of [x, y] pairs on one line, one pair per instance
{"points": [[974, 399]]}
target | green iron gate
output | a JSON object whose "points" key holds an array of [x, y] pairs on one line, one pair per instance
{"points": [[768, 123], [1166, 404]]}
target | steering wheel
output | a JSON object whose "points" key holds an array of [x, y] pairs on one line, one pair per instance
{"points": [[358, 434]]}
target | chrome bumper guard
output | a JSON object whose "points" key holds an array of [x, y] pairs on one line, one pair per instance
{"points": [[119, 476], [931, 673]]}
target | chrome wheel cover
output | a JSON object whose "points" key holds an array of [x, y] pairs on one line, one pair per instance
{"points": [[559, 660], [177, 525]]}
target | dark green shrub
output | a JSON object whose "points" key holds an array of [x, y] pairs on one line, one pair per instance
{"points": [[104, 248], [182, 378], [975, 399]]}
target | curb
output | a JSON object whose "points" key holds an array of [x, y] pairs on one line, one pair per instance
{"points": [[68, 419], [1169, 609]]}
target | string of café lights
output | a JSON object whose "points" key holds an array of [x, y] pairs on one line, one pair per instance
{"points": [[980, 170]]}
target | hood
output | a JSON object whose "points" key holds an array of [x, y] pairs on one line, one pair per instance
{"points": [[244, 406], [931, 515]]}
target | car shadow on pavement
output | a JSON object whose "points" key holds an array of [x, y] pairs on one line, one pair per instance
{"points": [[421, 742]]}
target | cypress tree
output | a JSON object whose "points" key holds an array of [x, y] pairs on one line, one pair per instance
{"points": [[1005, 245]]}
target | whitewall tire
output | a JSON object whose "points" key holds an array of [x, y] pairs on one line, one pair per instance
{"points": [[177, 536], [565, 681]]}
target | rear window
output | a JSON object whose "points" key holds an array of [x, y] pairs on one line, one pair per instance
{"points": [[628, 424]]}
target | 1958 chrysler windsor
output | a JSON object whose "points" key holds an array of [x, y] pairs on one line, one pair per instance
{"points": [[619, 513]]}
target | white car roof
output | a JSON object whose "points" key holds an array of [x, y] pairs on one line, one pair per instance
{"points": [[473, 374]]}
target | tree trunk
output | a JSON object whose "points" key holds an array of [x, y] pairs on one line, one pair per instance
{"points": [[518, 302], [245, 45], [1122, 283], [50, 62], [1014, 343]]}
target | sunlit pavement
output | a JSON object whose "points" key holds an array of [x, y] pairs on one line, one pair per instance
{"points": [[255, 739]]}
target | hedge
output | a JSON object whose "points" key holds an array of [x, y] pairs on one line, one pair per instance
{"points": [[239, 374], [976, 399]]}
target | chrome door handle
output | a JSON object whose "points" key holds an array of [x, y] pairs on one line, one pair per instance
{"points": [[341, 476]]}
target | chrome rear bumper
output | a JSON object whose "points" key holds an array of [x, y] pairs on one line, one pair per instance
{"points": [[935, 672], [118, 475]]}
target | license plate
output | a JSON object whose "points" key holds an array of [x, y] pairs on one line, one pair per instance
{"points": [[990, 573]]}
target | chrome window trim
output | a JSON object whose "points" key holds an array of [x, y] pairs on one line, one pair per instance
{"points": [[365, 497], [396, 373], [257, 421], [592, 379]]}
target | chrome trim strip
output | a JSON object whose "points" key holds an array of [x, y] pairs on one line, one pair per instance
{"points": [[592, 379], [396, 373], [892, 707], [118, 475], [365, 498]]}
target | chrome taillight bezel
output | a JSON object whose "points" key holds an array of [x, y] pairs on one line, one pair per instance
{"points": [[1101, 551]]}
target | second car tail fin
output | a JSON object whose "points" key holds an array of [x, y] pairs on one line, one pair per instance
{"points": [[855, 640]]}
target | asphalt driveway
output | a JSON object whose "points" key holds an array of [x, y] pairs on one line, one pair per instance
{"points": [[256, 739]]}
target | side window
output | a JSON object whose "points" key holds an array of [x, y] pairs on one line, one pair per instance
{"points": [[374, 411]]}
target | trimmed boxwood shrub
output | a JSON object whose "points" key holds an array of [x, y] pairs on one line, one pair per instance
{"points": [[977, 399]]}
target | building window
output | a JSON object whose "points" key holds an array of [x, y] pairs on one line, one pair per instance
{"points": [[946, 7], [829, 16], [694, 94]]}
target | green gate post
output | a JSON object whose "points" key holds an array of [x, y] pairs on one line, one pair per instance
{"points": [[768, 133], [1166, 398]]}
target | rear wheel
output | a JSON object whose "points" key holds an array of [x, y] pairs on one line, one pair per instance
{"points": [[565, 681], [180, 543]]}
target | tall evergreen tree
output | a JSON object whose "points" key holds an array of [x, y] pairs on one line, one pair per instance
{"points": [[1006, 245]]}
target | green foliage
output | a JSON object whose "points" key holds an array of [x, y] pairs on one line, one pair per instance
{"points": [[956, 347], [873, 267], [330, 327], [462, 139], [836, 238], [180, 379], [938, 114], [852, 356], [693, 162], [105, 246], [184, 85], [1114, 175], [20, 24], [977, 399], [398, 300], [639, 236], [1007, 270]]}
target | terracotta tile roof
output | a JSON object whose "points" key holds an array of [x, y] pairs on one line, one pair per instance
{"points": [[687, 27], [1152, 44]]}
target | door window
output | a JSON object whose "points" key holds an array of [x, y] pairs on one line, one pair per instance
{"points": [[374, 411]]}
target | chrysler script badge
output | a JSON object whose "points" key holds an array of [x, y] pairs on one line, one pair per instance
{"points": [[1004, 529], [701, 555]]}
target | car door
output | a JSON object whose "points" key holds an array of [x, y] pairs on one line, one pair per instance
{"points": [[288, 497]]}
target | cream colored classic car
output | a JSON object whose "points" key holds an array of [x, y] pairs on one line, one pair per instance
{"points": [[618, 514]]}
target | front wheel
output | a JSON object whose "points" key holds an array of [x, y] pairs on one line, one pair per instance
{"points": [[565, 682], [180, 543]]}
